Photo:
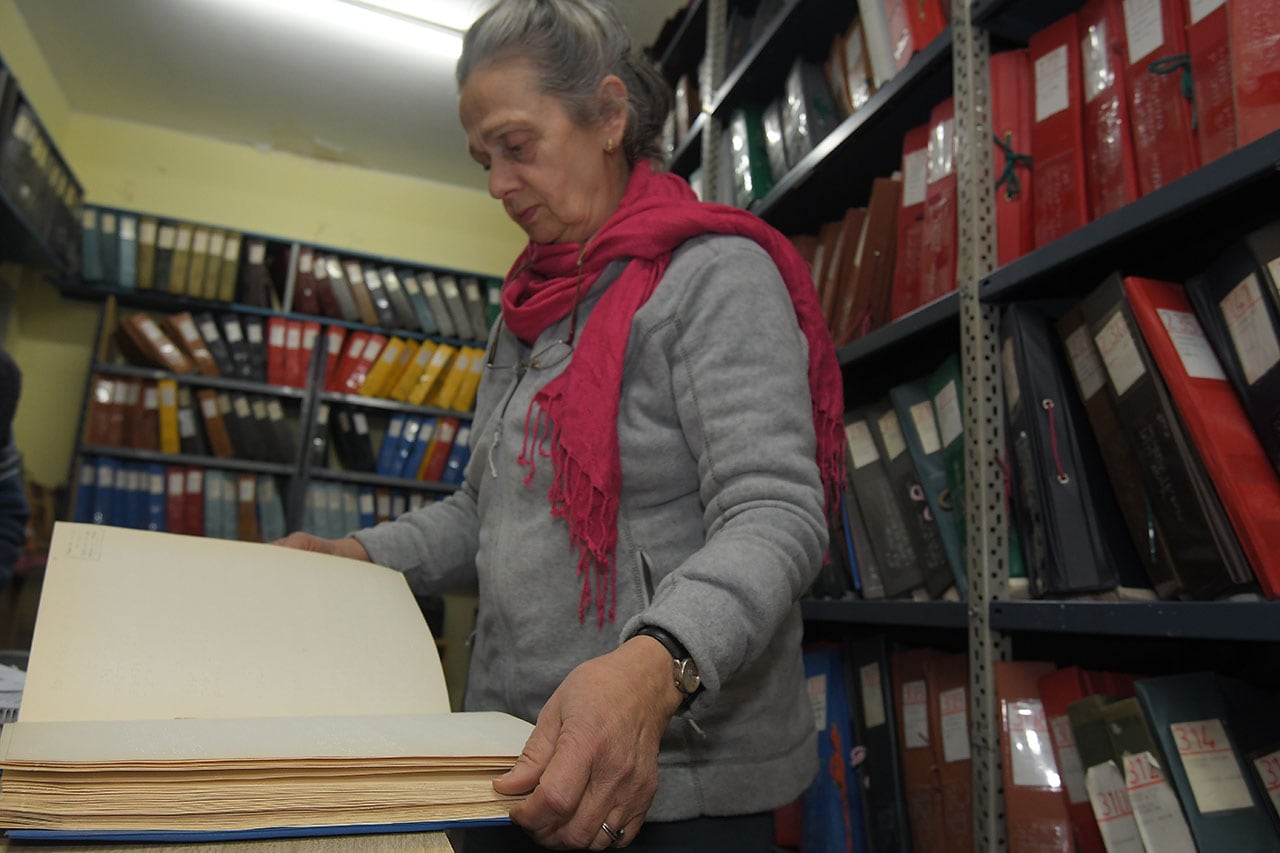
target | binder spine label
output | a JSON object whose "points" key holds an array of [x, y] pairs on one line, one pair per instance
{"points": [[1251, 331], [953, 706], [1143, 28], [817, 686], [1119, 353], [1210, 762], [1192, 346], [1155, 806], [1052, 93], [1198, 9], [1269, 771], [1112, 809], [1032, 755], [862, 446], [873, 697], [915, 714]]}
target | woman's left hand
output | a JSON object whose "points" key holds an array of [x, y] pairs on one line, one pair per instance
{"points": [[593, 756]]}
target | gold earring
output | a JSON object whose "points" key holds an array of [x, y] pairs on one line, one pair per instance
{"points": [[609, 146]]}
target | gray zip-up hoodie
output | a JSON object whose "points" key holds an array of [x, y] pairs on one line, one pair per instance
{"points": [[720, 529]]}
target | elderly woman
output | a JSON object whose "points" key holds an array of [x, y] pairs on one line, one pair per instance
{"points": [[652, 437]]}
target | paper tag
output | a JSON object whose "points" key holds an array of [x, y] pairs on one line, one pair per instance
{"points": [[1095, 61], [926, 427], [257, 252], [184, 238], [1119, 353], [293, 337], [429, 286], [1053, 95], [259, 409], [862, 447], [393, 428], [1012, 393], [953, 709], [176, 482], [1068, 755], [107, 223], [147, 232], [1211, 766], [89, 218], [1143, 27], [1200, 8], [1269, 770], [1111, 809], [915, 714], [195, 480], [209, 406], [167, 237], [817, 685], [1189, 340], [872, 695], [242, 407], [891, 434], [275, 411], [128, 228], [247, 489], [168, 395], [1251, 331], [1155, 806], [200, 241], [232, 250], [216, 241], [253, 331], [361, 423], [915, 167], [946, 403], [231, 331], [210, 331], [275, 335], [449, 288], [366, 503], [1029, 745]]}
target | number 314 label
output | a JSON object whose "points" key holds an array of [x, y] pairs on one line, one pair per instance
{"points": [[1211, 765]]}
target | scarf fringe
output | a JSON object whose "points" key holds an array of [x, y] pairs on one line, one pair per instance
{"points": [[589, 511]]}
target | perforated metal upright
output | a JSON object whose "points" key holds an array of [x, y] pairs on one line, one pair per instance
{"points": [[717, 17], [985, 524]]}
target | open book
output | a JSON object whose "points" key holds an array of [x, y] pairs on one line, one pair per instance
{"points": [[181, 687]]}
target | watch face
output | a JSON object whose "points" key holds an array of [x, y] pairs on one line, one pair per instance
{"points": [[687, 678]]}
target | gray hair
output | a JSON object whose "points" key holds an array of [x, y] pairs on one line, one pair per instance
{"points": [[574, 44]]}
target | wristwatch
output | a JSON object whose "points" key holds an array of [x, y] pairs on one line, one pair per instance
{"points": [[683, 668]]}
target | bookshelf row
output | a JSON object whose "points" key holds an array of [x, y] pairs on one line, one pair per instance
{"points": [[1095, 758], [314, 404], [40, 198]]}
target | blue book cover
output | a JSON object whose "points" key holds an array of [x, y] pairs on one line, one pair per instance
{"points": [[832, 808], [270, 509], [459, 455], [366, 506], [213, 505], [156, 497], [85, 485], [90, 252], [390, 445], [350, 509], [104, 491], [418, 301], [413, 463], [108, 246], [127, 255], [408, 440]]}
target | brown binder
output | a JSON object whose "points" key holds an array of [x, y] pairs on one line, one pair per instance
{"points": [[1036, 819], [215, 428], [182, 329], [360, 292], [247, 508], [947, 675], [143, 340], [873, 263], [916, 746]]}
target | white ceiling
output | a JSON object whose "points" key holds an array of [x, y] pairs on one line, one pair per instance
{"points": [[275, 74]]}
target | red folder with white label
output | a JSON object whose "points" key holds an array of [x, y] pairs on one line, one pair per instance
{"points": [[940, 202], [1060, 200], [1209, 44], [1111, 172], [1255, 67], [1160, 91], [908, 266], [1247, 485]]}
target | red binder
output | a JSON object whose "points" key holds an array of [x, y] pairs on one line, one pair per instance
{"points": [[1158, 66], [193, 496], [175, 500], [1036, 818], [1247, 485], [1255, 68], [926, 20], [277, 331], [908, 266], [1209, 45], [1057, 136], [939, 272], [305, 298], [352, 349], [1011, 118], [1111, 172], [1058, 689]]}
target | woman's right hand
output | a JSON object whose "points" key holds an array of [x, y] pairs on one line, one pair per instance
{"points": [[345, 547]]}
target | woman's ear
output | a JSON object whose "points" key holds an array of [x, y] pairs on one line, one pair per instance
{"points": [[613, 107]]}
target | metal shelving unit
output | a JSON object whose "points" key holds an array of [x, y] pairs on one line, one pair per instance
{"points": [[1163, 234]]}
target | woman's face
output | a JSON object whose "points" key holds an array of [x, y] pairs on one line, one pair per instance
{"points": [[554, 176]]}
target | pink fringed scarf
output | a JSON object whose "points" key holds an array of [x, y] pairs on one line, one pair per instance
{"points": [[576, 422]]}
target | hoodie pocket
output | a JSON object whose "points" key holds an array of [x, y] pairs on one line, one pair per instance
{"points": [[646, 577]]}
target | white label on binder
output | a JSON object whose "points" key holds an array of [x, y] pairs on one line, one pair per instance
{"points": [[168, 395], [184, 238], [147, 232], [1053, 95], [305, 258], [156, 484], [1119, 353], [954, 714], [176, 482], [232, 250], [210, 331], [1012, 394], [275, 411], [216, 241], [89, 218], [1085, 363], [1188, 339], [1143, 27], [915, 166], [275, 335], [259, 409], [1252, 334], [253, 332], [200, 241], [872, 695], [393, 428], [107, 223], [1200, 8], [1029, 746], [195, 480], [372, 348], [242, 407], [946, 403], [384, 505], [817, 686], [167, 237], [232, 332], [1269, 771], [926, 427], [915, 714], [862, 447], [186, 423], [1211, 766], [246, 489], [891, 434], [257, 252], [1111, 809], [267, 488], [209, 406], [1155, 806], [366, 503], [128, 228], [293, 337], [1068, 754], [361, 423]]}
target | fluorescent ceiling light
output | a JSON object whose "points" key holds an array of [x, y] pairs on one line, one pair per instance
{"points": [[455, 15]]}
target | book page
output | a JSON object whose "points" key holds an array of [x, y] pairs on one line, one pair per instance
{"points": [[144, 625]]}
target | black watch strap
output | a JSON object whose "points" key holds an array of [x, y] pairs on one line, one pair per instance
{"points": [[673, 646], [684, 670]]}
